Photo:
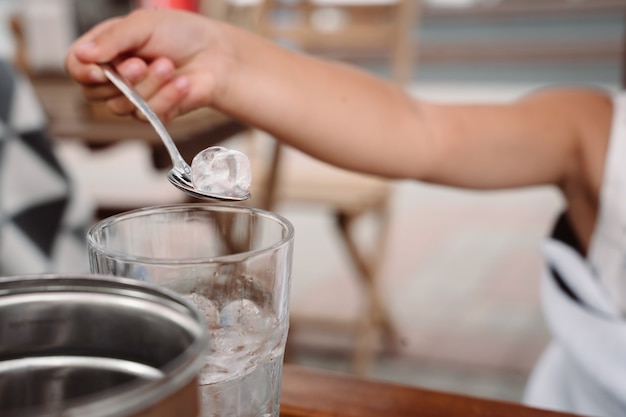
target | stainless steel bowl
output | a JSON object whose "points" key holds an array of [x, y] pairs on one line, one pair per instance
{"points": [[97, 346]]}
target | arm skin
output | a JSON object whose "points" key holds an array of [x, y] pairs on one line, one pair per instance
{"points": [[348, 117]]}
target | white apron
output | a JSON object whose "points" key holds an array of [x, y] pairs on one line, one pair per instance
{"points": [[584, 368]]}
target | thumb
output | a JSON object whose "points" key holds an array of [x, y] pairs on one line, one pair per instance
{"points": [[115, 37]]}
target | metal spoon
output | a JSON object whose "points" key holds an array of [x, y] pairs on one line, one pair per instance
{"points": [[180, 174]]}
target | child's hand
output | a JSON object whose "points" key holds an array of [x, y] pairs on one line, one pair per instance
{"points": [[172, 58]]}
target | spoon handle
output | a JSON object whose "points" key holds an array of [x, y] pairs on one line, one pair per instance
{"points": [[135, 98]]}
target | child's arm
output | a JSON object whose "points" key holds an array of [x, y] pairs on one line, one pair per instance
{"points": [[346, 116]]}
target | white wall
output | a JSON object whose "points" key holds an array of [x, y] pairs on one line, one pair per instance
{"points": [[7, 8]]}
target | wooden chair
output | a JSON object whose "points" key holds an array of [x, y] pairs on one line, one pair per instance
{"points": [[377, 25]]}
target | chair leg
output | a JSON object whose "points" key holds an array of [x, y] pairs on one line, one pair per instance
{"points": [[375, 320]]}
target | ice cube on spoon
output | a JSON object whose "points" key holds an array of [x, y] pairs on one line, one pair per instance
{"points": [[222, 171]]}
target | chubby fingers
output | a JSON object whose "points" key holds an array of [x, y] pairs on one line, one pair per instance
{"points": [[157, 83], [86, 71], [148, 84], [166, 102], [133, 69], [108, 42], [159, 86], [84, 57], [113, 38]]}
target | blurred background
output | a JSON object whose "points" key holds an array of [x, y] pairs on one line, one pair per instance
{"points": [[401, 281]]}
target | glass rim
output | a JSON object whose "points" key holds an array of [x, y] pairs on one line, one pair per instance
{"points": [[93, 244]]}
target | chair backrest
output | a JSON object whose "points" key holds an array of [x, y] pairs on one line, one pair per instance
{"points": [[345, 29]]}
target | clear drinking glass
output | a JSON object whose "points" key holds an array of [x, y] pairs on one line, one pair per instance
{"points": [[234, 264]]}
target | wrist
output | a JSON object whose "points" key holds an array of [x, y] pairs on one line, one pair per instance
{"points": [[223, 58]]}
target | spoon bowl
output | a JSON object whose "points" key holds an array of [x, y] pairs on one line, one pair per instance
{"points": [[180, 174], [183, 182]]}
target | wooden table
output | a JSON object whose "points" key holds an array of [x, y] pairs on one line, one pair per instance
{"points": [[70, 116], [314, 393]]}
